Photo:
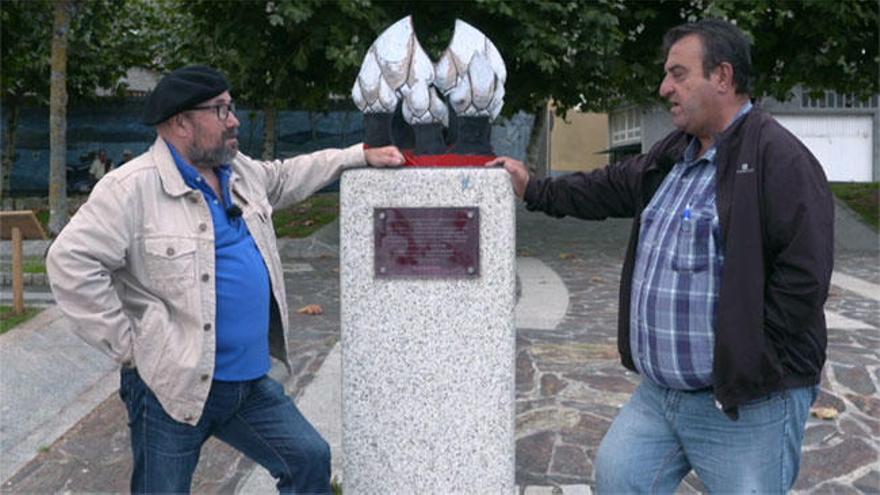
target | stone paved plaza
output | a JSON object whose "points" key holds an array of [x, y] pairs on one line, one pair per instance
{"points": [[569, 382]]}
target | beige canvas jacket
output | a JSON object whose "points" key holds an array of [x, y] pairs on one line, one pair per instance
{"points": [[134, 268]]}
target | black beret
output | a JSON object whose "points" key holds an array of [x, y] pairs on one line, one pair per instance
{"points": [[181, 90]]}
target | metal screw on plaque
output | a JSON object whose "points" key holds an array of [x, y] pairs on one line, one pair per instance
{"points": [[382, 269], [471, 270], [470, 214], [381, 215]]}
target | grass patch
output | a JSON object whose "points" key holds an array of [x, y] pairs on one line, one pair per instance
{"points": [[34, 265], [43, 217], [861, 197], [303, 219], [9, 320]]}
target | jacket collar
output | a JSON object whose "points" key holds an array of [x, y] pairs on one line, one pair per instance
{"points": [[738, 124], [679, 140], [169, 175], [672, 152]]}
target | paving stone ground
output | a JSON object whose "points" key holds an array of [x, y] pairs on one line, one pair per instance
{"points": [[569, 382]]}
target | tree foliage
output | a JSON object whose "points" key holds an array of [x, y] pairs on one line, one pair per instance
{"points": [[278, 53], [598, 54], [815, 43], [105, 38], [287, 52], [593, 54], [298, 53]]}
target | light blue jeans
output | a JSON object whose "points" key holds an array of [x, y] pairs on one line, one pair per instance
{"points": [[661, 434]]}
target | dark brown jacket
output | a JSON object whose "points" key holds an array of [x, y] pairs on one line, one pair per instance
{"points": [[777, 218]]}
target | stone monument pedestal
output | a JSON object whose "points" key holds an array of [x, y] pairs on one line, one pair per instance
{"points": [[428, 385]]}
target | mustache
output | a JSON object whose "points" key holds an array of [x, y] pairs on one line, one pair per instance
{"points": [[232, 133]]}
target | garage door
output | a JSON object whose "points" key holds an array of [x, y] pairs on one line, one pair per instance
{"points": [[843, 144]]}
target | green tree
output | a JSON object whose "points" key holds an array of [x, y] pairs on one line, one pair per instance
{"points": [[24, 67], [818, 44], [104, 39], [595, 55], [279, 54]]}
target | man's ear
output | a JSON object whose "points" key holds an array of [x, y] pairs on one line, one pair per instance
{"points": [[181, 125], [724, 74]]}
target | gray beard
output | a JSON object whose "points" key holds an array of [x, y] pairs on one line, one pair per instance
{"points": [[211, 156]]}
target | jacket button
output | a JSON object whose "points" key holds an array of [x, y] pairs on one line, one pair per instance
{"points": [[170, 251], [205, 277], [188, 417], [207, 327], [203, 227], [193, 198], [206, 377]]}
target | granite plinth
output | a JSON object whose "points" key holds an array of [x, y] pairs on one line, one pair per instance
{"points": [[428, 364]]}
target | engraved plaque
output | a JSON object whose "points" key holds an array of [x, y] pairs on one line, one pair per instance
{"points": [[427, 242]]}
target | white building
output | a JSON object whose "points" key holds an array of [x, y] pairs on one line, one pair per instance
{"points": [[843, 132]]}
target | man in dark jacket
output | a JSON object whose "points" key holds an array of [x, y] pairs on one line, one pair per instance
{"points": [[723, 284]]}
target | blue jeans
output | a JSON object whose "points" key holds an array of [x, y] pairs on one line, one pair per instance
{"points": [[661, 434], [255, 417]]}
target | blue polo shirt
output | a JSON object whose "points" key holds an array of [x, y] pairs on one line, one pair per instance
{"points": [[242, 284]]}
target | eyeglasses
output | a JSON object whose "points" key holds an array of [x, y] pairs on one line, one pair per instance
{"points": [[223, 109]]}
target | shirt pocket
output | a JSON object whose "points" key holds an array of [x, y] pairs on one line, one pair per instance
{"points": [[170, 263], [692, 243]]}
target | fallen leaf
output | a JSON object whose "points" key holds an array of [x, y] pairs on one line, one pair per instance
{"points": [[597, 280], [567, 256], [311, 309], [309, 222], [824, 412]]}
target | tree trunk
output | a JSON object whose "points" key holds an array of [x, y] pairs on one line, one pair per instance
{"points": [[13, 109], [58, 214], [538, 149], [270, 134]]}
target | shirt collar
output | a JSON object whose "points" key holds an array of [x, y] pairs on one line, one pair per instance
{"points": [[189, 172]]}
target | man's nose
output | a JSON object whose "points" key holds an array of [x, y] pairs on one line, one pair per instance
{"points": [[232, 120], [665, 88]]}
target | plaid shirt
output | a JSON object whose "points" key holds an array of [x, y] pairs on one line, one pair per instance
{"points": [[677, 275]]}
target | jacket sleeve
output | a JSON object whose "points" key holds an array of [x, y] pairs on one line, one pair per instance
{"points": [[80, 262], [607, 192], [294, 179], [799, 233]]}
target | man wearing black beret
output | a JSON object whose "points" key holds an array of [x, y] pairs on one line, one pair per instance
{"points": [[171, 268]]}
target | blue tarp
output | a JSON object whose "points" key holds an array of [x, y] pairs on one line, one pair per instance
{"points": [[115, 126]]}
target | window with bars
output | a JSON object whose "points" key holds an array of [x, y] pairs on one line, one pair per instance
{"points": [[832, 99]]}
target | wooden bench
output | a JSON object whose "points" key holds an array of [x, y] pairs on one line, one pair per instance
{"points": [[17, 226]]}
